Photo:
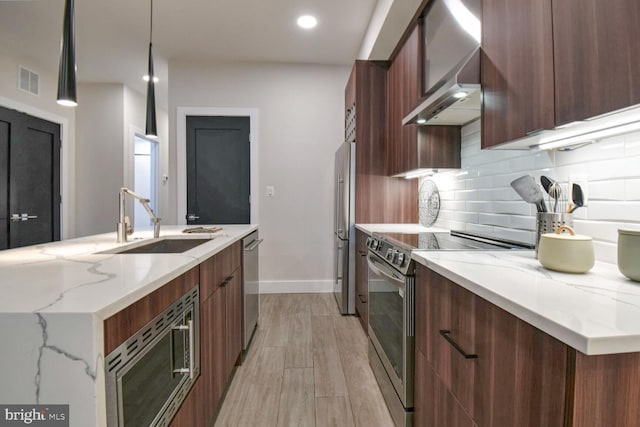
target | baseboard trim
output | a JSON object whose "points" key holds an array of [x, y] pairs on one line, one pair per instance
{"points": [[296, 286]]}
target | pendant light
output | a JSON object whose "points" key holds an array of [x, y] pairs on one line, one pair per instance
{"points": [[67, 71], [150, 128]]}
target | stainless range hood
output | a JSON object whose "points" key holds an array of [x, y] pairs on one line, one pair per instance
{"points": [[455, 99]]}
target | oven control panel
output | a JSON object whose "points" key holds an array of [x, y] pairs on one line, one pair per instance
{"points": [[398, 257]]}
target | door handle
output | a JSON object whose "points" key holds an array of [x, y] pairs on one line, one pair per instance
{"points": [[192, 217], [22, 217]]}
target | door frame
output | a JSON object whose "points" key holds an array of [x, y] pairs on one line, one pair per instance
{"points": [[181, 154], [66, 166]]}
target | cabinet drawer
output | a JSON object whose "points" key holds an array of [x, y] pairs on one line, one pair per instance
{"points": [[216, 269], [435, 406], [447, 333]]}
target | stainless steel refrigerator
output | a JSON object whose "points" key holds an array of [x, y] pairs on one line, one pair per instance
{"points": [[344, 228]]}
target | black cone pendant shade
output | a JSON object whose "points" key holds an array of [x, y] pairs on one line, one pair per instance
{"points": [[151, 128], [67, 71]]}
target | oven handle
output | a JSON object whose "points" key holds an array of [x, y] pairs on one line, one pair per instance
{"points": [[189, 328], [381, 270]]}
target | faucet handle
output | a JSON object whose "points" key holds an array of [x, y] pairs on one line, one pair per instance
{"points": [[127, 226]]}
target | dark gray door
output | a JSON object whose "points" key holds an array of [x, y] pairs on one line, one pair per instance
{"points": [[218, 170], [29, 180]]}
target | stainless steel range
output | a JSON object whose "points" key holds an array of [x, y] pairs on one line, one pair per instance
{"points": [[391, 307]]}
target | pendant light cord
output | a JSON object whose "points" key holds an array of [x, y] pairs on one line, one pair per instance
{"points": [[151, 24]]}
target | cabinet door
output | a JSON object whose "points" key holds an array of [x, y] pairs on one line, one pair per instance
{"points": [[434, 406], [362, 275], [191, 412], [403, 93], [445, 332], [596, 53], [516, 69], [520, 373], [214, 270], [212, 352], [233, 318]]}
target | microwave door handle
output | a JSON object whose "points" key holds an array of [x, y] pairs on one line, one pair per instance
{"points": [[397, 281], [188, 327], [192, 351]]}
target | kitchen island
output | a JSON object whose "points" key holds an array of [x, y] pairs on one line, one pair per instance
{"points": [[55, 299]]}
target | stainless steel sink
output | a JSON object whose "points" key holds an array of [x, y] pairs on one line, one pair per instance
{"points": [[164, 246]]}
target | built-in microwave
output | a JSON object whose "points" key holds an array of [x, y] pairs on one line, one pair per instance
{"points": [[150, 374]]}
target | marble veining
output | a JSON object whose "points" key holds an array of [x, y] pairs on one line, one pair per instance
{"points": [[595, 313], [91, 372]]}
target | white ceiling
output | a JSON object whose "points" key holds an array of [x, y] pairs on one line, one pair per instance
{"points": [[112, 36]]}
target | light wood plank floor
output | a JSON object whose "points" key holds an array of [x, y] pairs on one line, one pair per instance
{"points": [[307, 366]]}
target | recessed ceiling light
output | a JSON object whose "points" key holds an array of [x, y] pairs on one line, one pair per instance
{"points": [[307, 21]]}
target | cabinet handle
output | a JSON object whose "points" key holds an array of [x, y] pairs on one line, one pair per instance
{"points": [[226, 281], [362, 298], [455, 345]]}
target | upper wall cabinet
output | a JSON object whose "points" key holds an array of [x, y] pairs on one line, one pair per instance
{"points": [[403, 93], [412, 147], [597, 57], [545, 63], [379, 199], [516, 69]]}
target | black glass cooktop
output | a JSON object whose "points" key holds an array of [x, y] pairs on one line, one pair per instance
{"points": [[452, 241]]}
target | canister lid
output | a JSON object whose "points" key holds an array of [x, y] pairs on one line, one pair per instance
{"points": [[570, 235], [629, 232]]}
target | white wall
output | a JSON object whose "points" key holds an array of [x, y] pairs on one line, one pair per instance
{"points": [[301, 109], [107, 116], [479, 197], [43, 106]]}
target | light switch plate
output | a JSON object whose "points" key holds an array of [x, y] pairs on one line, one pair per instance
{"points": [[271, 191], [583, 181]]}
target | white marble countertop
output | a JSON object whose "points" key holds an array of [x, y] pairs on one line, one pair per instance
{"points": [[71, 277], [595, 313], [397, 228]]}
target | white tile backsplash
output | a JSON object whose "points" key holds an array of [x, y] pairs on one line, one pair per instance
{"points": [[478, 198]]}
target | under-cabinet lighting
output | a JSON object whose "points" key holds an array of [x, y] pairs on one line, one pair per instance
{"points": [[421, 121], [590, 137], [460, 95], [417, 173]]}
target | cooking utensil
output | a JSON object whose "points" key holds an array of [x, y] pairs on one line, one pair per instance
{"points": [[529, 190], [629, 253], [577, 196], [558, 195], [546, 184], [568, 253]]}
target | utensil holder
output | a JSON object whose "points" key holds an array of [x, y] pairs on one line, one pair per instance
{"points": [[548, 222]]}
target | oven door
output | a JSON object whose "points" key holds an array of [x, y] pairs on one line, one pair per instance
{"points": [[391, 324]]}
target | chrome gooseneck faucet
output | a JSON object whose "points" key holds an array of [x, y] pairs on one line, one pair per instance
{"points": [[124, 225]]}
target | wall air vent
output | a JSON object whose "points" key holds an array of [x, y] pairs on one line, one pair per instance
{"points": [[28, 81]]}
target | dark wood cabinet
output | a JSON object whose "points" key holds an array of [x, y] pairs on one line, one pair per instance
{"points": [[233, 318], [516, 69], [547, 63], [362, 276], [515, 373], [443, 409], [521, 371], [596, 51], [379, 198], [221, 325], [403, 93], [414, 147]]}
